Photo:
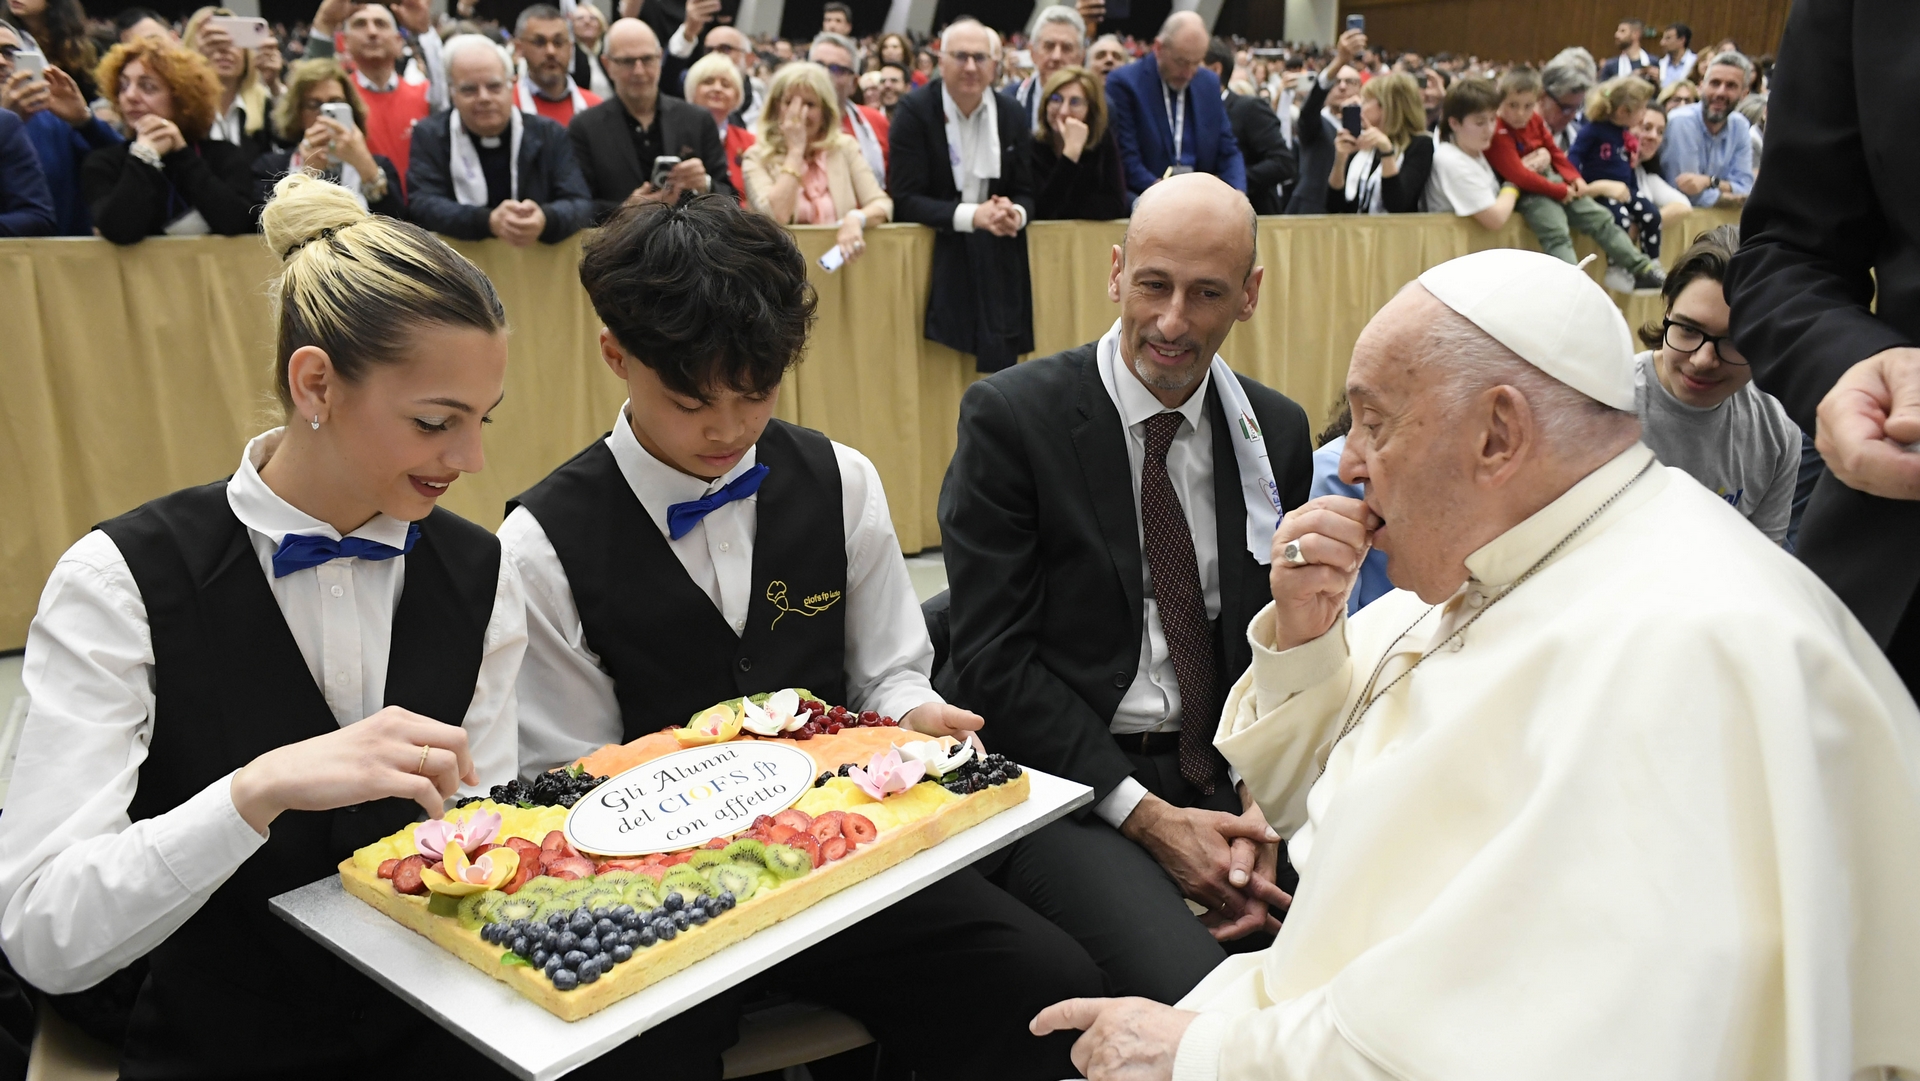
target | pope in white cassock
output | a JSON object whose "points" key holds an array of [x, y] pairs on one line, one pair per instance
{"points": [[1610, 787]]}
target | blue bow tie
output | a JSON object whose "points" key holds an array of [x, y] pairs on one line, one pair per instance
{"points": [[299, 551], [682, 517]]}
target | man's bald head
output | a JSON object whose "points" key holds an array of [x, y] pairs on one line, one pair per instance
{"points": [[1182, 278], [631, 32], [1200, 202], [1180, 47]]}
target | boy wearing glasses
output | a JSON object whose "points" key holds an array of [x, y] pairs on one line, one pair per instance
{"points": [[1699, 410]]}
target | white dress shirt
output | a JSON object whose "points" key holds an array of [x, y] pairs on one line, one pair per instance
{"points": [[1673, 70], [976, 133], [86, 891], [567, 704], [1152, 701], [231, 126]]}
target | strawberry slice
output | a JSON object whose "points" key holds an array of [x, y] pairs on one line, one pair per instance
{"points": [[763, 822], [555, 847], [719, 842], [676, 859], [571, 868], [528, 869], [805, 843], [406, 876], [795, 817], [834, 848], [827, 826], [780, 834], [859, 829]]}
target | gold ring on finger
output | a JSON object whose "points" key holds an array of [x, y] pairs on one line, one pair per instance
{"points": [[421, 766]]}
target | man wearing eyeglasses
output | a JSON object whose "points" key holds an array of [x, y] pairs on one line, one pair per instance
{"points": [[621, 143], [543, 40], [1326, 94], [1058, 40], [866, 126], [1167, 114], [1566, 81], [1699, 410]]}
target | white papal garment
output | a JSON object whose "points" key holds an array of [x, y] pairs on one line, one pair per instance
{"points": [[1657, 818]]}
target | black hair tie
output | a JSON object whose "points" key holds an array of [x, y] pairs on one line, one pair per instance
{"points": [[324, 234]]}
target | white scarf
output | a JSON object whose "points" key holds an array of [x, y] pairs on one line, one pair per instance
{"points": [[469, 180], [869, 142], [973, 144], [523, 95], [1257, 489]]}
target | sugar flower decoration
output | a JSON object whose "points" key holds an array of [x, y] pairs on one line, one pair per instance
{"points": [[940, 756], [433, 837], [495, 868], [781, 713], [887, 774]]}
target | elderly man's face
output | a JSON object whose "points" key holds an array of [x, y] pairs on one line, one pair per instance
{"points": [[1184, 276], [481, 92], [1557, 112], [732, 44], [1408, 449], [1179, 56], [966, 62], [632, 60], [839, 65], [1055, 46]]}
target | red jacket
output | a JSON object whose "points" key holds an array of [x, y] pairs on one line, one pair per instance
{"points": [[1510, 146], [391, 115]]}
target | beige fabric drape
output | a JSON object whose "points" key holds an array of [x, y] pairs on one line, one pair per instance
{"points": [[127, 373]]}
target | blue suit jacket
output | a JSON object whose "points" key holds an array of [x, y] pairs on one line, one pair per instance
{"points": [[1138, 114]]}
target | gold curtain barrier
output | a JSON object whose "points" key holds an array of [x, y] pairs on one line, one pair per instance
{"points": [[126, 373]]}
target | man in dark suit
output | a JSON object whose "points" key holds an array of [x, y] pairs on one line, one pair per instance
{"points": [[1167, 114], [1336, 85], [1256, 128], [618, 141], [1105, 520], [976, 195], [1823, 226], [485, 169]]}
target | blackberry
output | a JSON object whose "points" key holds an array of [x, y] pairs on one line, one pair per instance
{"points": [[822, 779], [846, 768]]}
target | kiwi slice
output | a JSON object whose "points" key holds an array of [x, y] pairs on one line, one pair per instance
{"points": [[476, 909], [746, 851], [540, 886], [643, 893], [787, 862], [706, 858], [600, 896], [514, 907], [618, 880], [731, 877], [686, 881], [551, 905]]}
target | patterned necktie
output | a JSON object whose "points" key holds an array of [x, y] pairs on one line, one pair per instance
{"points": [[1183, 607]]}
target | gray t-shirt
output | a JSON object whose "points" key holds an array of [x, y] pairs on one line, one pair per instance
{"points": [[1745, 450]]}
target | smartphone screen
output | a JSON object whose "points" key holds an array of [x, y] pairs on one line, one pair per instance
{"points": [[833, 260], [1350, 119], [1357, 22], [662, 169]]}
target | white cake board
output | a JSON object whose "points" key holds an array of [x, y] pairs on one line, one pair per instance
{"points": [[534, 1044]]}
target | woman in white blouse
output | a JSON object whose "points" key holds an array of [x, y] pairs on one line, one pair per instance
{"points": [[236, 685]]}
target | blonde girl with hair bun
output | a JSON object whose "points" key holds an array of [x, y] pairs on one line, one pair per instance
{"points": [[803, 170], [236, 685]]}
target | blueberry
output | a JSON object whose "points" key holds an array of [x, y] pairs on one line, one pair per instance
{"points": [[621, 953], [603, 961], [674, 902], [539, 957], [557, 921], [667, 930], [657, 915], [620, 911], [630, 920], [566, 940], [682, 919], [699, 916], [644, 937], [589, 972], [520, 945], [590, 945], [604, 927], [581, 923], [487, 932], [727, 899], [601, 913], [565, 980], [553, 965], [574, 958]]}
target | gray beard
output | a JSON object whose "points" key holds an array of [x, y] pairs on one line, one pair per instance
{"points": [[1160, 379]]}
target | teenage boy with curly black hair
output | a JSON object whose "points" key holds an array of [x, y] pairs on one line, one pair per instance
{"points": [[654, 562]]}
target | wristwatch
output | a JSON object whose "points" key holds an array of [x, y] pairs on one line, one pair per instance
{"points": [[374, 188], [145, 153]]}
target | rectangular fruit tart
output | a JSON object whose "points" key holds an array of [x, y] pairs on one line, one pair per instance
{"points": [[591, 882]]}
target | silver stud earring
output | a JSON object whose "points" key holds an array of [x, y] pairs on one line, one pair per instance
{"points": [[316, 422]]}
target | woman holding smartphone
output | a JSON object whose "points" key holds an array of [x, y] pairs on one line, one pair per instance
{"points": [[323, 119], [245, 103], [236, 685]]}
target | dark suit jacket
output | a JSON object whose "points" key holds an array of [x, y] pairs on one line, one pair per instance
{"points": [[1137, 109], [1264, 149], [603, 144], [1040, 530], [1314, 134], [1831, 211], [981, 300], [548, 175]]}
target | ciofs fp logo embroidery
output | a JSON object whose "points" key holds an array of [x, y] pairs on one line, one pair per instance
{"points": [[811, 605]]}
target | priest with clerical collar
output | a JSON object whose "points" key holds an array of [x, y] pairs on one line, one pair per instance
{"points": [[1609, 787]]}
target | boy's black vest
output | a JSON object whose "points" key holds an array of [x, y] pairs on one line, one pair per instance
{"points": [[669, 650], [236, 991]]}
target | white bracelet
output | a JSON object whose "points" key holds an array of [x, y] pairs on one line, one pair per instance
{"points": [[862, 215]]}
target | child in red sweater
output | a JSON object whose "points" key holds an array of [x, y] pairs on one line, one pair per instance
{"points": [[1553, 198]]}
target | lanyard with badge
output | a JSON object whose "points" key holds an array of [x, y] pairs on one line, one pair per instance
{"points": [[1177, 123]]}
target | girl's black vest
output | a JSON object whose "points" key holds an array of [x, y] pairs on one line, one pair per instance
{"points": [[236, 991], [669, 650]]}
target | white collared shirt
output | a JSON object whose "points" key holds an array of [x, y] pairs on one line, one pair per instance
{"points": [[1152, 701], [567, 704], [230, 127], [984, 124], [1672, 71], [86, 891]]}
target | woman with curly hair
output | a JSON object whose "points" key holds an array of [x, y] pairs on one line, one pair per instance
{"points": [[246, 107], [58, 28], [171, 179]]}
